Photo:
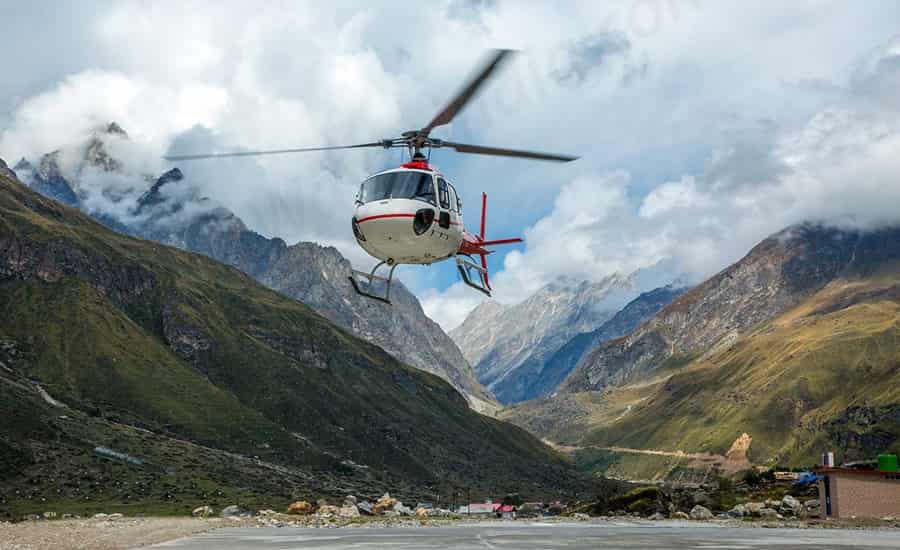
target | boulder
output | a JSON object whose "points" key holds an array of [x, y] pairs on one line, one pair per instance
{"points": [[812, 504], [790, 506], [768, 513], [383, 504], [701, 513], [421, 513], [753, 508], [234, 511], [99, 515], [115, 516], [266, 513], [579, 516], [678, 514], [365, 508], [301, 508], [402, 510], [202, 511], [657, 517], [328, 511], [49, 515], [348, 510], [350, 499]]}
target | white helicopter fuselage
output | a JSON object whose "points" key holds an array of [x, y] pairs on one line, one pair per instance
{"points": [[397, 221]]}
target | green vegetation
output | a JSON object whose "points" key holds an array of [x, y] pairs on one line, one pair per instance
{"points": [[222, 388], [823, 376], [643, 500]]}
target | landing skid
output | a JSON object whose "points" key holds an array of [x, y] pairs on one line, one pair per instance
{"points": [[371, 277], [479, 282]]}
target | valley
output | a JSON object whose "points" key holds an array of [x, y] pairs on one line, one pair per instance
{"points": [[797, 377], [206, 386]]}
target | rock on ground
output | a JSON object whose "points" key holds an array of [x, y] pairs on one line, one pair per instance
{"points": [[203, 512], [301, 507], [383, 504], [234, 511], [701, 513]]}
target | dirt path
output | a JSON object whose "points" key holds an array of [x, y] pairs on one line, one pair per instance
{"points": [[734, 461], [95, 534]]}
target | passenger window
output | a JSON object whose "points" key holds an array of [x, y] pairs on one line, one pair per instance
{"points": [[443, 194], [453, 201]]}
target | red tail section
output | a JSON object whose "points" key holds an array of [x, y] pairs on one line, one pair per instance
{"points": [[475, 244]]}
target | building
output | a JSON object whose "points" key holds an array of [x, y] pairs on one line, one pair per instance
{"points": [[506, 511], [478, 508], [848, 492]]}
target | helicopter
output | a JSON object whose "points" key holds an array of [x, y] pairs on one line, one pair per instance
{"points": [[412, 214]]}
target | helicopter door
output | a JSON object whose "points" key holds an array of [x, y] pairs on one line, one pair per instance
{"points": [[444, 202]]}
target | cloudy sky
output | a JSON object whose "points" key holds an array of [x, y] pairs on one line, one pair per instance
{"points": [[703, 126]]}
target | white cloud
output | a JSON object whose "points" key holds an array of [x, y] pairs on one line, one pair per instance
{"points": [[841, 168], [699, 131]]}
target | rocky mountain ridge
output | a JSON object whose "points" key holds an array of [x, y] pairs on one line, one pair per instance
{"points": [[774, 276], [509, 345], [168, 210], [566, 359]]}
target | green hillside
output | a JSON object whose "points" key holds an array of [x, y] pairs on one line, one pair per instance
{"points": [[150, 350], [794, 384], [824, 376]]}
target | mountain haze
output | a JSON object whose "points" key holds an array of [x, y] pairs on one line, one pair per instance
{"points": [[507, 345], [564, 361]]}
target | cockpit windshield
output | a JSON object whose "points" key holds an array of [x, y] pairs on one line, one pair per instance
{"points": [[398, 185]]}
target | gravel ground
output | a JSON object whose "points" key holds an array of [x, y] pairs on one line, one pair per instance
{"points": [[100, 534]]}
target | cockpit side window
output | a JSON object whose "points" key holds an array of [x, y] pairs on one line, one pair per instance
{"points": [[454, 201], [443, 194]]}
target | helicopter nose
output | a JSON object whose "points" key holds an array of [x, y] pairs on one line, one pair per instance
{"points": [[357, 231]]}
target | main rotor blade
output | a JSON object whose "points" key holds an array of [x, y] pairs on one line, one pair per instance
{"points": [[468, 92], [272, 151], [496, 151]]}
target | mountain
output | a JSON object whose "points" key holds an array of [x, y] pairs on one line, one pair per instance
{"points": [[6, 171], [792, 351], [774, 276], [133, 373], [508, 345], [169, 210], [564, 361]]}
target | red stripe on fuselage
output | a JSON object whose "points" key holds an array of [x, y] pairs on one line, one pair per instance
{"points": [[382, 216]]}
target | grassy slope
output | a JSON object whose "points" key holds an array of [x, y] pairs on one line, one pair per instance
{"points": [[274, 367], [786, 383]]}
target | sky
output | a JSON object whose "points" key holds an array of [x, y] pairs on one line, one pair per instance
{"points": [[702, 126]]}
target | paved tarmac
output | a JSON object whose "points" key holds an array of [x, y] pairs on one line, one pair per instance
{"points": [[526, 535]]}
